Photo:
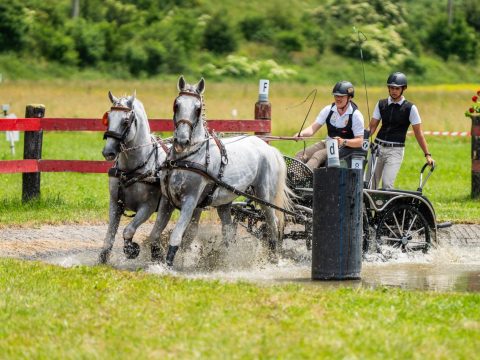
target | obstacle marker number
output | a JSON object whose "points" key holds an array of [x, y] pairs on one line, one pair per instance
{"points": [[357, 164], [263, 89], [365, 145]]}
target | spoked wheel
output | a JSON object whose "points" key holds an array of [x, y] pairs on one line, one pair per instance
{"points": [[405, 227]]}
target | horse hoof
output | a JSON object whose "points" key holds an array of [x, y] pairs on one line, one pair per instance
{"points": [[272, 258], [131, 250], [172, 250], [103, 257], [157, 253]]}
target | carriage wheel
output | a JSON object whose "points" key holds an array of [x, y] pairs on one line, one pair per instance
{"points": [[405, 227]]}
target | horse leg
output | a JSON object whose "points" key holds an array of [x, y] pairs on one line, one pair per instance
{"points": [[165, 210], [192, 229], [188, 207], [115, 213], [130, 248], [228, 228], [272, 233]]}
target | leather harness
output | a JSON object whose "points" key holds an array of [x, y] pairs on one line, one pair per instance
{"points": [[181, 163], [130, 177]]}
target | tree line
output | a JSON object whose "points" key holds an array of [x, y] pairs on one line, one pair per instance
{"points": [[150, 37]]}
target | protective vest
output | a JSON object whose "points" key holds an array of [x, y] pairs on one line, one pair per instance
{"points": [[345, 132], [395, 121]]}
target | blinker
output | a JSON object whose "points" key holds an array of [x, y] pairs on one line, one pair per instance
{"points": [[105, 118]]}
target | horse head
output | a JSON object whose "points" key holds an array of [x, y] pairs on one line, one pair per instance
{"points": [[119, 121], [187, 113]]}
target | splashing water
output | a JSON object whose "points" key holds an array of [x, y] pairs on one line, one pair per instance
{"points": [[453, 266]]}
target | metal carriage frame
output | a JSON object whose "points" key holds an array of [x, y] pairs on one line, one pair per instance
{"points": [[398, 218]]}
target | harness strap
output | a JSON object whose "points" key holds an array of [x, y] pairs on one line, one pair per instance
{"points": [[128, 178], [162, 144], [192, 166], [167, 177]]}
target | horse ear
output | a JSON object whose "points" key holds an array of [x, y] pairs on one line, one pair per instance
{"points": [[112, 98], [131, 99], [201, 86], [181, 83]]}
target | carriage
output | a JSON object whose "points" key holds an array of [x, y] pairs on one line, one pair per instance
{"points": [[398, 218], [191, 175]]}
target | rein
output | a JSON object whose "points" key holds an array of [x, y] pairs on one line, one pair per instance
{"points": [[197, 168]]}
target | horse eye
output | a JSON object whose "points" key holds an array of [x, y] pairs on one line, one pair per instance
{"points": [[199, 111], [175, 107], [105, 119]]}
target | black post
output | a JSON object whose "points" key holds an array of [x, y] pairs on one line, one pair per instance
{"points": [[32, 149], [475, 156], [337, 224]]}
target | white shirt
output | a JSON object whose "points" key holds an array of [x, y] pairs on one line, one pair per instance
{"points": [[340, 121], [414, 115]]}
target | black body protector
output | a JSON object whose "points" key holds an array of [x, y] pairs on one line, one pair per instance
{"points": [[395, 121], [345, 132]]}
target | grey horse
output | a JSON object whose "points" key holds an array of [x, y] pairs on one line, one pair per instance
{"points": [[132, 183], [242, 162]]}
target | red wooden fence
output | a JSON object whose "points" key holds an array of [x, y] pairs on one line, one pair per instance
{"points": [[77, 124]]}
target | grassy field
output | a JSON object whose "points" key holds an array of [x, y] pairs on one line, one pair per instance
{"points": [[441, 106], [68, 197], [98, 312]]}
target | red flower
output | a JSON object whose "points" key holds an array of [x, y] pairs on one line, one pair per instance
{"points": [[471, 110], [474, 98], [478, 92]]}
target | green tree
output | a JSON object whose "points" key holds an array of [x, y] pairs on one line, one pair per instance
{"points": [[219, 36], [456, 39], [13, 26], [89, 41]]}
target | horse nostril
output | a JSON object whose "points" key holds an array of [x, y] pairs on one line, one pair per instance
{"points": [[187, 143], [108, 155]]}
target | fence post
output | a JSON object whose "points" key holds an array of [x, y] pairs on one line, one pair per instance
{"points": [[475, 156], [32, 149], [263, 108]]}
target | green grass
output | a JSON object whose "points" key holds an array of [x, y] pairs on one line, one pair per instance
{"points": [[98, 312]]}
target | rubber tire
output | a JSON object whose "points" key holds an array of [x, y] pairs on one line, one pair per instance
{"points": [[409, 211]]}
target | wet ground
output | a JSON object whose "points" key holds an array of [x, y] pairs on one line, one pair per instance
{"points": [[453, 266]]}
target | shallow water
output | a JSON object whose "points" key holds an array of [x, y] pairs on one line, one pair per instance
{"points": [[447, 268]]}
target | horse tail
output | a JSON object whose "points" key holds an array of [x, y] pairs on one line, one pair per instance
{"points": [[284, 195]]}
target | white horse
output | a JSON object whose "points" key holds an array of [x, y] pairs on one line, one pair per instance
{"points": [[243, 162], [133, 183]]}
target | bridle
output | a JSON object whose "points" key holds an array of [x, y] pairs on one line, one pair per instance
{"points": [[131, 119], [192, 126]]}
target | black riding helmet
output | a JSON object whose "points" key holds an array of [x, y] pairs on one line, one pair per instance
{"points": [[397, 79], [343, 88]]}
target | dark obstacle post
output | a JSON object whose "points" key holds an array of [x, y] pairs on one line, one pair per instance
{"points": [[475, 156], [337, 224], [263, 108], [32, 149]]}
